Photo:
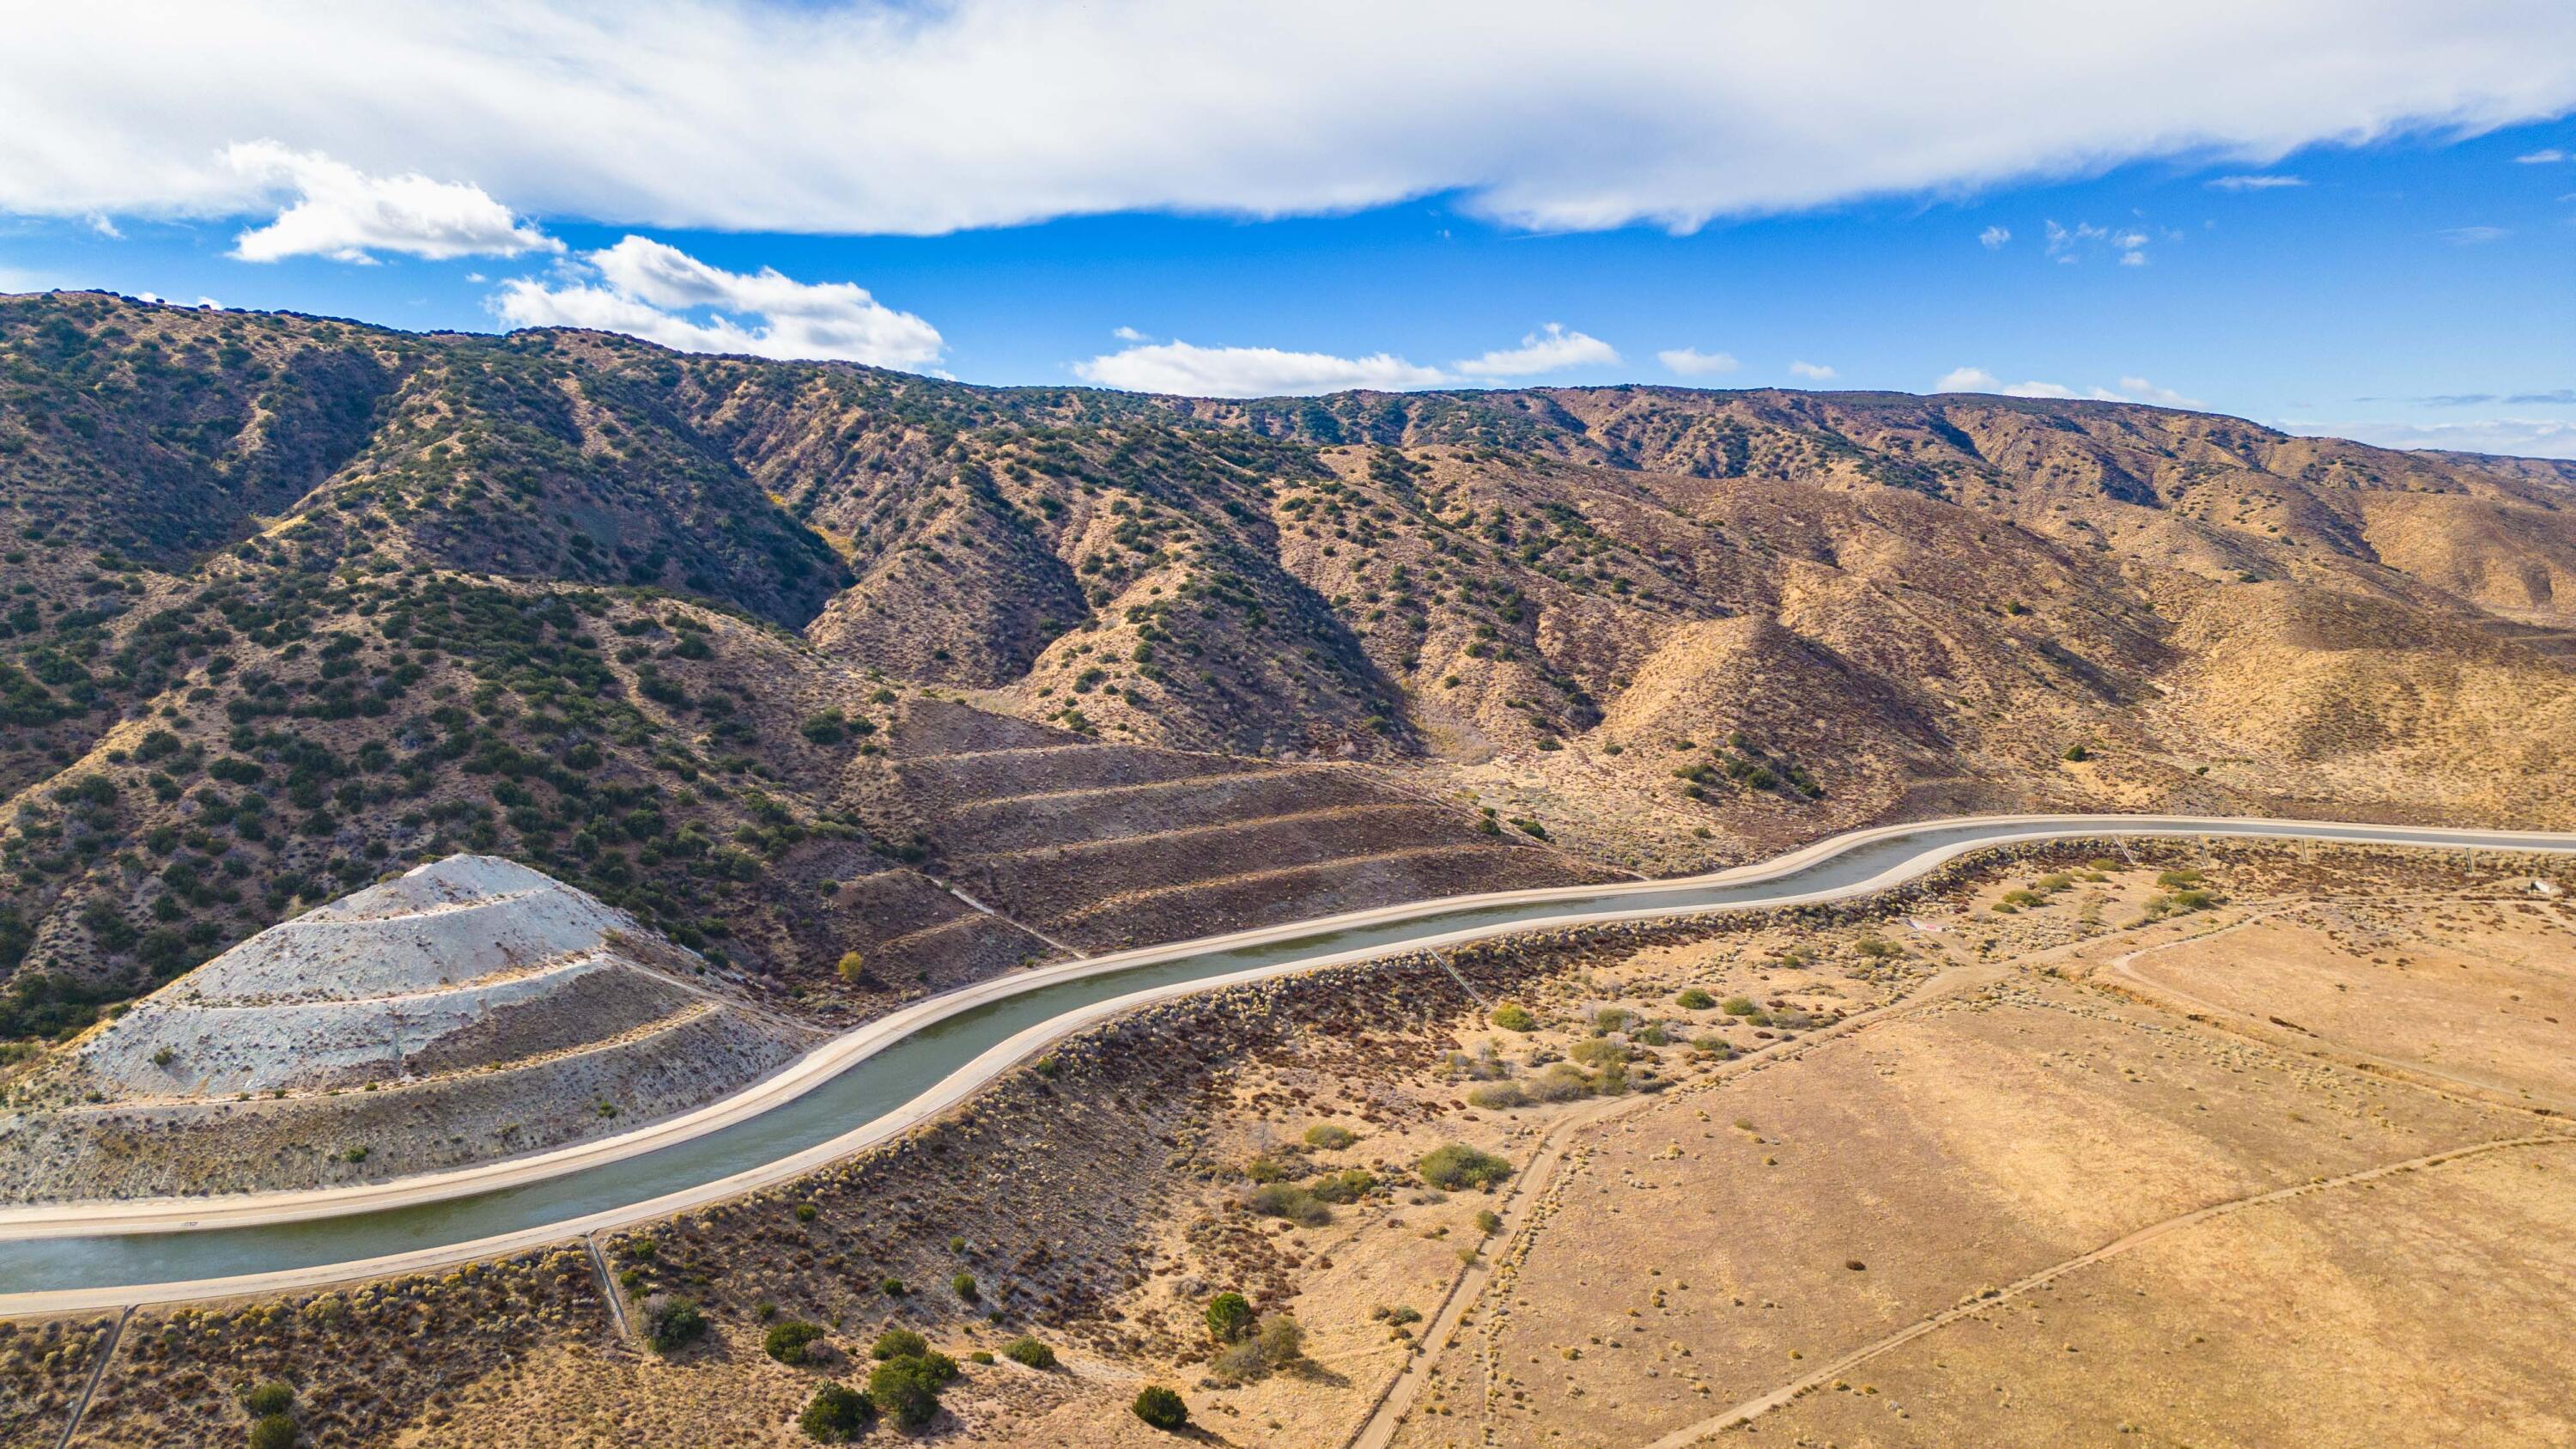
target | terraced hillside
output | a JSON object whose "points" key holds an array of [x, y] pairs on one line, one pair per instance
{"points": [[475, 997], [1103, 846], [293, 604]]}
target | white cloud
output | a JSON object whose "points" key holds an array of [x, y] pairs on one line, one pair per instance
{"points": [[972, 113], [1993, 237], [1178, 367], [1691, 362], [2541, 158], [2259, 181], [2138, 389], [1128, 334], [1550, 349], [2519, 437], [1814, 371], [104, 225], [650, 290], [1968, 379], [343, 213]]}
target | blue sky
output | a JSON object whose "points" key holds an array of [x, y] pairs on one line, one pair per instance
{"points": [[2413, 283]]}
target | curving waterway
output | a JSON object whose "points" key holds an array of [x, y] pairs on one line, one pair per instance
{"points": [[928, 1066]]}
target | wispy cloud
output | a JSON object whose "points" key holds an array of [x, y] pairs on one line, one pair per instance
{"points": [[2554, 397], [657, 292], [2547, 157], [2254, 181], [1813, 371], [2515, 437], [1691, 362], [1993, 237], [2070, 245], [2469, 236], [2131, 389], [348, 215]]}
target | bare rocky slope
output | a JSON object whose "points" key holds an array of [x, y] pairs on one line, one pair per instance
{"points": [[773, 656], [466, 1010]]}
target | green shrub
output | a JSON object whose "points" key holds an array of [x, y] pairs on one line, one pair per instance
{"points": [[269, 1398], [836, 1415], [1611, 1018], [1694, 999], [1512, 1016], [1229, 1317], [1456, 1166], [1330, 1137], [791, 1340], [673, 1323], [1027, 1350], [906, 1389], [1161, 1408], [964, 1286], [1498, 1096], [899, 1343], [1740, 1006], [272, 1431], [1488, 1221]]}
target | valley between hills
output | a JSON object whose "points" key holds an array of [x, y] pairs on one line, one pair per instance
{"points": [[425, 750]]}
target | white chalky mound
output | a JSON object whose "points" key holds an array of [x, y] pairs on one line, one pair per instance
{"points": [[375, 984]]}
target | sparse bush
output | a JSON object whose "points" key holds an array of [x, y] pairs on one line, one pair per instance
{"points": [[272, 1431], [1346, 1186], [1512, 1016], [1561, 1082], [964, 1286], [673, 1323], [1741, 1006], [836, 1414], [791, 1340], [1229, 1317], [1457, 1166], [1027, 1350], [269, 1398], [899, 1343], [1291, 1202], [1694, 999], [1330, 1137], [1488, 1221], [1498, 1096], [1611, 1018], [1162, 1408]]}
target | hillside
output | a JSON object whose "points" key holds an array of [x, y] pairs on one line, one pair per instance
{"points": [[772, 655]]}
